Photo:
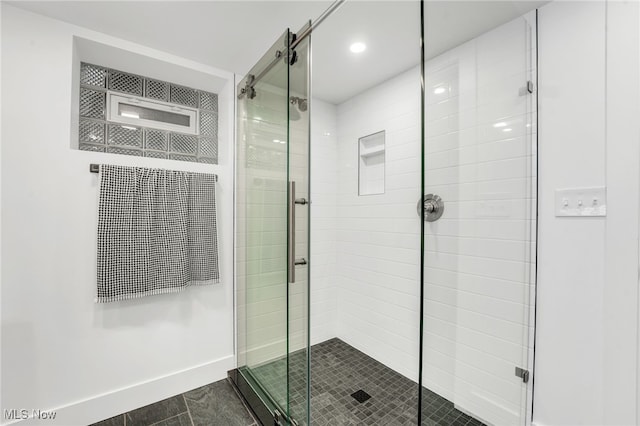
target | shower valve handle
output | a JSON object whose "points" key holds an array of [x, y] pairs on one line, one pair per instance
{"points": [[431, 207]]}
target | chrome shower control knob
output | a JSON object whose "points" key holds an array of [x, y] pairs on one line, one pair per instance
{"points": [[431, 206]]}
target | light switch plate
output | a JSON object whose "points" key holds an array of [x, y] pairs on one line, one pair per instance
{"points": [[578, 202]]}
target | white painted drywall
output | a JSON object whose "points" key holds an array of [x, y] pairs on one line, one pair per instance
{"points": [[587, 305], [620, 301], [571, 273], [60, 350]]}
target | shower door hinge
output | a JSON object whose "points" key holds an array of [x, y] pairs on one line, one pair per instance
{"points": [[526, 89], [522, 373]]}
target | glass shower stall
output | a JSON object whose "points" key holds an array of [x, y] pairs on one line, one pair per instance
{"points": [[386, 217]]}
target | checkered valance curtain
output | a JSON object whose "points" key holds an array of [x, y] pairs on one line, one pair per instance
{"points": [[157, 232]]}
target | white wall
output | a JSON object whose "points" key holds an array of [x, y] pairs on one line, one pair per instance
{"points": [[60, 350], [587, 304], [620, 301]]}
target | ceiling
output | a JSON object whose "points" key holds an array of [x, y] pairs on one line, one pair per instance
{"points": [[233, 35]]}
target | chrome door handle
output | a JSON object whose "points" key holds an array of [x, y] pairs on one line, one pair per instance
{"points": [[291, 255], [291, 258]]}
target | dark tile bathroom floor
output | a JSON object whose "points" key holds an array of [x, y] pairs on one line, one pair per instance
{"points": [[215, 404], [338, 371]]}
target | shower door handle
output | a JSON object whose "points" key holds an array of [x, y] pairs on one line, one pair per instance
{"points": [[292, 262]]}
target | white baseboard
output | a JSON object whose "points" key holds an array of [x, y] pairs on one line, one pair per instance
{"points": [[100, 407]]}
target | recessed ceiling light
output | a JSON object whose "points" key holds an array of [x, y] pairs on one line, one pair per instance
{"points": [[276, 140], [358, 47], [506, 130], [500, 124], [439, 90]]}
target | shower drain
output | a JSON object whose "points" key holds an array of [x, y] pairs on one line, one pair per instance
{"points": [[360, 396]]}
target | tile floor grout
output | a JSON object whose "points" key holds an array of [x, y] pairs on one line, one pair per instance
{"points": [[188, 409], [172, 417]]}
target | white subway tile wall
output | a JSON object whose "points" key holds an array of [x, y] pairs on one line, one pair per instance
{"points": [[378, 236], [324, 184]]}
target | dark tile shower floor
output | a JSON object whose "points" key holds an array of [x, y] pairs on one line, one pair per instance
{"points": [[338, 371]]}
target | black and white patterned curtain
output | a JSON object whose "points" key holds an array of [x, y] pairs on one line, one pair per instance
{"points": [[157, 232]]}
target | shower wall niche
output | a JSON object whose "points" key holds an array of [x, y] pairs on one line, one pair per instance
{"points": [[371, 164]]}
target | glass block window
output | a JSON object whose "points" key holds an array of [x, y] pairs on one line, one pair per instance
{"points": [[96, 133]]}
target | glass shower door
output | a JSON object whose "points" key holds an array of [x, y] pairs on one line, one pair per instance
{"points": [[271, 237], [480, 216]]}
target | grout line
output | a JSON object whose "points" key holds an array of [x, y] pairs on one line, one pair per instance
{"points": [[168, 418], [188, 409]]}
